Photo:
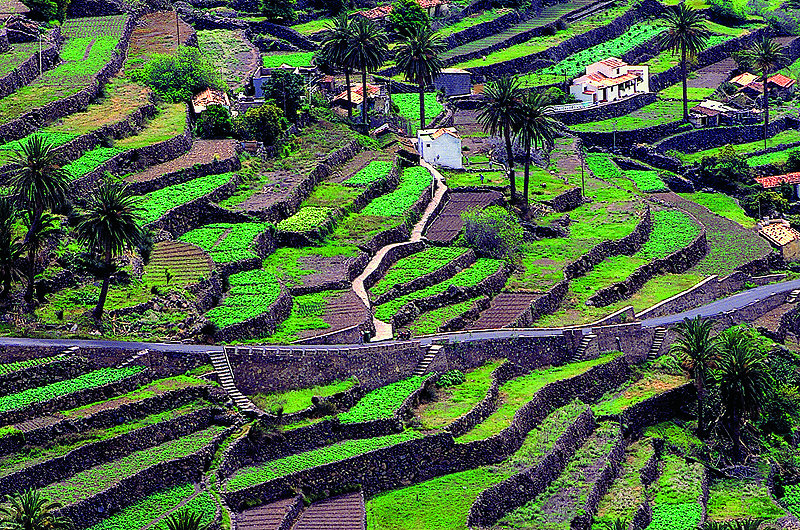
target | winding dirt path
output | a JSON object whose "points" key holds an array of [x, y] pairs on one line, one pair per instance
{"points": [[383, 330]]}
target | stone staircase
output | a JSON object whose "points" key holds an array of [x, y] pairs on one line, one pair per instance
{"points": [[222, 366], [579, 354], [133, 358], [425, 363], [658, 339]]}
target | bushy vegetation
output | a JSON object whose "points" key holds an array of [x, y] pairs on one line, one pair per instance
{"points": [[178, 76], [382, 402]]}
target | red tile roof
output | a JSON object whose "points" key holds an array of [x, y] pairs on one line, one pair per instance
{"points": [[613, 62], [781, 80], [777, 180]]}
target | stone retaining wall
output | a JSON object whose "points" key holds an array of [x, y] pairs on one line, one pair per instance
{"points": [[95, 453], [488, 405], [493, 503], [263, 324], [544, 305], [567, 201], [134, 160], [583, 521], [679, 261], [478, 32], [627, 245], [464, 319], [630, 138], [709, 138], [35, 119], [75, 399], [606, 111], [284, 33], [488, 286], [161, 475], [426, 280], [43, 374], [658, 408], [392, 256], [28, 70], [570, 46], [199, 211], [214, 167], [271, 369], [289, 205]]}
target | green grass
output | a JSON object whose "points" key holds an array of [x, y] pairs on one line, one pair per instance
{"points": [[251, 294], [157, 203], [147, 510], [413, 182], [306, 315], [312, 26], [415, 266], [456, 179], [251, 476], [784, 137], [468, 22], [274, 60], [168, 123], [648, 386], [444, 502], [626, 494], [382, 402], [722, 205], [295, 400], [226, 242], [99, 478], [738, 499], [409, 107], [87, 381], [515, 393], [659, 113], [472, 275], [430, 321], [646, 181], [777, 158], [455, 401]]}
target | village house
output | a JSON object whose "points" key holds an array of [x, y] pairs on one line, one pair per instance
{"points": [[377, 99], [440, 147], [262, 75], [454, 82], [778, 85], [782, 236], [209, 96], [610, 80], [434, 8], [776, 181], [711, 113]]}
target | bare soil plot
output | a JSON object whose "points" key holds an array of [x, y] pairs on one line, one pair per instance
{"points": [[447, 225], [232, 53], [156, 33], [182, 262], [345, 311], [202, 152], [504, 310], [339, 513], [266, 517]]}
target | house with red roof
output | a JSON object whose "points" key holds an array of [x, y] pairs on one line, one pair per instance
{"points": [[782, 236], [377, 98], [610, 80], [434, 8]]}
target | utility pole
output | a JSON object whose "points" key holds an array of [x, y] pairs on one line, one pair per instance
{"points": [[177, 29], [40, 51]]}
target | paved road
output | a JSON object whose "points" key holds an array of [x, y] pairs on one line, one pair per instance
{"points": [[717, 307]]}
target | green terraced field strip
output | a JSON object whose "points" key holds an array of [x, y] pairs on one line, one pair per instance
{"points": [[251, 294], [92, 481], [741, 499], [306, 315], [517, 392], [156, 203], [28, 363], [296, 400], [784, 137], [251, 476], [414, 266], [226, 242], [627, 493]]}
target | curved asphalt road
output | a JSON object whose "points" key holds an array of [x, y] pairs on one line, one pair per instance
{"points": [[717, 307]]}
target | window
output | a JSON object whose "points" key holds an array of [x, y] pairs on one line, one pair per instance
{"points": [[427, 145]]}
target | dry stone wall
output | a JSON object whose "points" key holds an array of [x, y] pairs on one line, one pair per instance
{"points": [[29, 69]]}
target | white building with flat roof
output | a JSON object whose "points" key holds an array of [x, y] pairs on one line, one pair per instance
{"points": [[609, 80]]}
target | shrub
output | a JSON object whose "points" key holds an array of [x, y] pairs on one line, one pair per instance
{"points": [[177, 76], [214, 122], [264, 124], [406, 16], [278, 10], [492, 231], [451, 378], [286, 89]]}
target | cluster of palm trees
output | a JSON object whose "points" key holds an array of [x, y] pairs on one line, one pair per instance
{"points": [[39, 189], [510, 112], [731, 365], [687, 35], [361, 45]]}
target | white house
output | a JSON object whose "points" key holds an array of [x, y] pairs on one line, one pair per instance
{"points": [[440, 147], [609, 80]]}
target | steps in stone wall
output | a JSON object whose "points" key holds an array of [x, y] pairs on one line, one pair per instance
{"points": [[658, 339], [222, 366]]}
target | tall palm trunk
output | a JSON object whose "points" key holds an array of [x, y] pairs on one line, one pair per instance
{"points": [[6, 282], [36, 216], [700, 386], [736, 433], [349, 94], [685, 86], [98, 310], [766, 107], [365, 102], [421, 105], [526, 180], [510, 156]]}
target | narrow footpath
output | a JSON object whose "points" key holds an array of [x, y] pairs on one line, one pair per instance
{"points": [[383, 330]]}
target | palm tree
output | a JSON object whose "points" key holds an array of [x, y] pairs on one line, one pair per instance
{"points": [[42, 231], [535, 126], [335, 44], [30, 511], [39, 183], [686, 34], [500, 114], [744, 383], [764, 55], [108, 225], [418, 58], [696, 346], [10, 247], [367, 51], [185, 519]]}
